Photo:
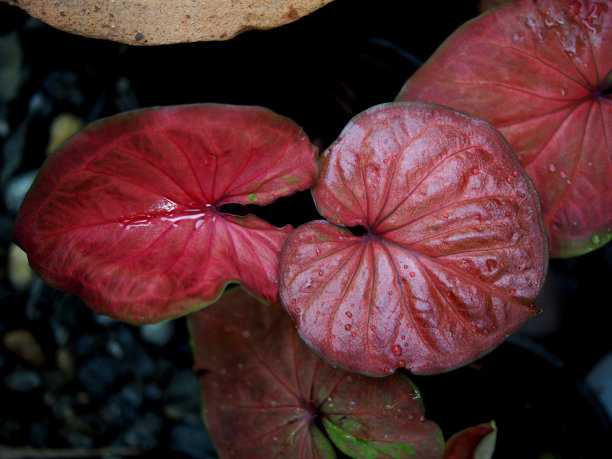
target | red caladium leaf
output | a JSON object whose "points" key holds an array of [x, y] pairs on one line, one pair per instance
{"points": [[541, 72], [476, 442], [454, 252], [266, 394], [127, 213]]}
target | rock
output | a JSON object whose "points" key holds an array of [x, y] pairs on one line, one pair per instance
{"points": [[158, 334], [19, 272], [600, 381], [144, 432], [156, 22], [124, 407], [182, 397], [16, 189], [99, 374], [23, 380], [24, 344], [63, 126], [11, 56], [192, 440]]}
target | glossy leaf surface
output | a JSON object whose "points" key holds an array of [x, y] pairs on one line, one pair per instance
{"points": [[476, 442], [266, 394], [127, 213], [541, 72], [454, 252]]}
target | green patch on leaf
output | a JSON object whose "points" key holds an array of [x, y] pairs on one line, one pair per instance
{"points": [[252, 197], [358, 448], [293, 180]]}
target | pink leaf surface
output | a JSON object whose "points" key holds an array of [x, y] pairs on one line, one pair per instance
{"points": [[541, 72], [126, 214], [266, 394], [454, 253]]}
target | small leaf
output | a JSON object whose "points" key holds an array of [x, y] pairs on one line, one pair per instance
{"points": [[454, 252], [476, 442], [127, 214], [539, 71], [264, 392]]}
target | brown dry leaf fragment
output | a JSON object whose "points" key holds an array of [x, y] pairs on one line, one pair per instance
{"points": [[157, 22]]}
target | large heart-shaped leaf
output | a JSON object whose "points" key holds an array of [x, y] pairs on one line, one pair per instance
{"points": [[541, 72], [454, 252], [127, 213], [266, 394]]}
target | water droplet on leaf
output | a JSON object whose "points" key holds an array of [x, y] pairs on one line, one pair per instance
{"points": [[397, 350]]}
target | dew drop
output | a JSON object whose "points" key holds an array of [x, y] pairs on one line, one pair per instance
{"points": [[422, 418], [412, 274], [298, 254], [508, 214], [595, 239], [509, 179], [318, 252], [318, 313], [512, 291], [474, 328], [563, 175], [563, 91], [385, 161], [349, 314], [321, 272], [390, 292], [323, 342], [347, 327], [494, 327], [471, 133], [475, 171], [403, 337], [445, 215], [401, 363], [530, 284], [353, 334], [501, 264], [485, 332], [405, 266], [333, 336], [298, 310], [522, 195], [372, 327], [397, 350], [552, 167]]}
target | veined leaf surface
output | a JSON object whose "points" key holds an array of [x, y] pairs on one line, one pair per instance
{"points": [[454, 251], [541, 72], [127, 214], [266, 394]]}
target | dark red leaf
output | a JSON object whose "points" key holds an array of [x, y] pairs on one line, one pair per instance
{"points": [[264, 392], [454, 253], [540, 72], [476, 442], [126, 214]]}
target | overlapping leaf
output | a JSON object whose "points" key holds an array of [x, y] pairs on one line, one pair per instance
{"points": [[127, 213], [453, 255], [541, 72], [266, 394]]}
